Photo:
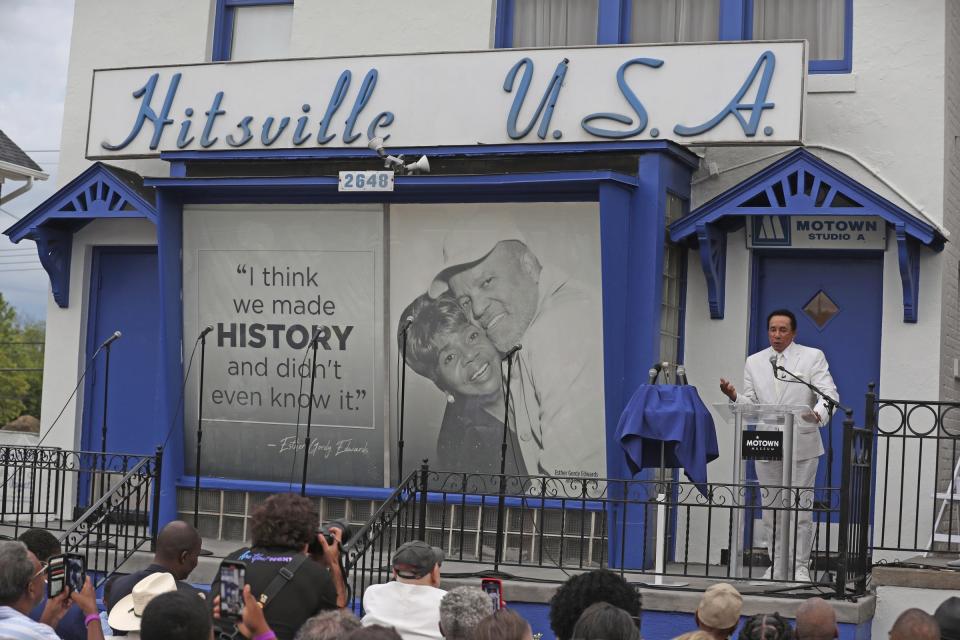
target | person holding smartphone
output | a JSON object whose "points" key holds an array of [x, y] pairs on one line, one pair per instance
{"points": [[282, 530], [23, 583]]}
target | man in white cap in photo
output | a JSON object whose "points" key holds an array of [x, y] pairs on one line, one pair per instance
{"points": [[557, 379], [411, 603]]}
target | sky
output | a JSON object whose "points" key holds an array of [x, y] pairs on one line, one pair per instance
{"points": [[34, 49]]}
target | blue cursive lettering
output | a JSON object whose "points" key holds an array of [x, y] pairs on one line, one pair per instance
{"points": [[547, 102], [767, 61], [631, 98], [146, 113]]}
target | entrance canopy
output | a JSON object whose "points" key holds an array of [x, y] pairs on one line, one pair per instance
{"points": [[801, 184], [102, 191]]}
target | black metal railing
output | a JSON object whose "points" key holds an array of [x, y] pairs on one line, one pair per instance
{"points": [[366, 555], [572, 524], [918, 451], [102, 505], [120, 523]]}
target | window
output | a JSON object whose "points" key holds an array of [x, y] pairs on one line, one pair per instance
{"points": [[549, 23], [821, 22], [674, 20], [252, 29], [672, 297], [825, 24]]}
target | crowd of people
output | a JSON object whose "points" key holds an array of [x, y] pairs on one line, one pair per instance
{"points": [[295, 590]]}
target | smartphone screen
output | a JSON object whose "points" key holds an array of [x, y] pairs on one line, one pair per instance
{"points": [[76, 566], [56, 576], [493, 588], [232, 578]]}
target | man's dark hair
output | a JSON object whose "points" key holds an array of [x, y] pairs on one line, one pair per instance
{"points": [[915, 624], [176, 615], [41, 542], [783, 312], [579, 592], [603, 621], [329, 625], [374, 632], [947, 616], [284, 520], [504, 624], [765, 626]]}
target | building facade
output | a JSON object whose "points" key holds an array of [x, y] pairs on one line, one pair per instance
{"points": [[667, 196]]}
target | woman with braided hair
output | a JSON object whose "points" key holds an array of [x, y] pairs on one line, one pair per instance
{"points": [[765, 626]]}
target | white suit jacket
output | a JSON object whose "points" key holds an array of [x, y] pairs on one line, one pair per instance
{"points": [[759, 387]]}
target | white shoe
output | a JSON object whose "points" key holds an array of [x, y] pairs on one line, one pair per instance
{"points": [[802, 575]]}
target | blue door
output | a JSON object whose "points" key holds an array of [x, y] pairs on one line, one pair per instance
{"points": [[123, 297], [838, 303]]}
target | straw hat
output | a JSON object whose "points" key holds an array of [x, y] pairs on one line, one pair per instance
{"points": [[126, 614]]}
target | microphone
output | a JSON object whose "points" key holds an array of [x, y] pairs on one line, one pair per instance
{"points": [[406, 323], [654, 372], [203, 334], [106, 343], [512, 351], [773, 363]]}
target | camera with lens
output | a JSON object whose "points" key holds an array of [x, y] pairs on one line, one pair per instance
{"points": [[328, 535]]}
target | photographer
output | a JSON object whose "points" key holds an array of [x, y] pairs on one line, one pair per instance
{"points": [[282, 530]]}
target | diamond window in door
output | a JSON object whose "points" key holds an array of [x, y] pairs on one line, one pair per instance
{"points": [[821, 309]]}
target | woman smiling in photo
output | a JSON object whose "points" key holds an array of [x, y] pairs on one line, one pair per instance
{"points": [[448, 349]]}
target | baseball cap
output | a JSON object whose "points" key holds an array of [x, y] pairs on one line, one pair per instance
{"points": [[468, 244], [416, 559], [720, 606]]}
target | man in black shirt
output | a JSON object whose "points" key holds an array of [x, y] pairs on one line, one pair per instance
{"points": [[282, 529], [178, 549]]}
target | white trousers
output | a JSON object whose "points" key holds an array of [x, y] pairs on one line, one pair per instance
{"points": [[770, 474]]}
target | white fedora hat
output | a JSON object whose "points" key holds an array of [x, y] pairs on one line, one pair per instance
{"points": [[126, 614]]}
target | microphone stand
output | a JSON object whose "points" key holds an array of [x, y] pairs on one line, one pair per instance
{"points": [[103, 423], [403, 395], [196, 481], [501, 504], [306, 440]]}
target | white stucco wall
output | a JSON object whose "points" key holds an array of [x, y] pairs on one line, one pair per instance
{"points": [[892, 601]]}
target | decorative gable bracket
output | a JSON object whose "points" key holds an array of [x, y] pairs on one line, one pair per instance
{"points": [[102, 191], [800, 183]]}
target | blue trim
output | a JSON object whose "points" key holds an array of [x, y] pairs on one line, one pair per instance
{"points": [[169, 414], [733, 19], [565, 148], [610, 21], [223, 24], [503, 32], [908, 254]]}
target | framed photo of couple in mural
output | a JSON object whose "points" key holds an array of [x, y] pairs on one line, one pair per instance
{"points": [[471, 282]]}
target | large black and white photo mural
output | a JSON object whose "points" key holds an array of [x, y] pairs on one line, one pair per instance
{"points": [[469, 285]]}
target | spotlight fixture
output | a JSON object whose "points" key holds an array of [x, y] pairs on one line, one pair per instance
{"points": [[396, 162]]}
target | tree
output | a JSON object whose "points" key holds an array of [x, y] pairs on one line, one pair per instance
{"points": [[21, 355]]}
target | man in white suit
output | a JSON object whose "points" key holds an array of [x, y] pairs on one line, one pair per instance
{"points": [[761, 387]]}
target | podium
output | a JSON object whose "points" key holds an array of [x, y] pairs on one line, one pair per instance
{"points": [[764, 432]]}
